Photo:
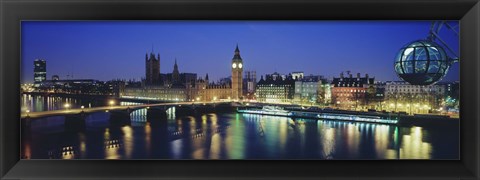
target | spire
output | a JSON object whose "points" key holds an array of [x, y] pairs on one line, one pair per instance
{"points": [[236, 49], [175, 74], [206, 77], [237, 54], [175, 67]]}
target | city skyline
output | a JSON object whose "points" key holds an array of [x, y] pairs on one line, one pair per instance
{"points": [[266, 47], [297, 90]]}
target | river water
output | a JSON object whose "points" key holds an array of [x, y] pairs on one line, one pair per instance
{"points": [[226, 136]]}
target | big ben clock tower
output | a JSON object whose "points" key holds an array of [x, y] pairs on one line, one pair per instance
{"points": [[237, 80]]}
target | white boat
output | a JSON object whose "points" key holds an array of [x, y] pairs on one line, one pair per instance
{"points": [[267, 110]]}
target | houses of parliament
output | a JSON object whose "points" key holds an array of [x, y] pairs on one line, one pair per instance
{"points": [[176, 86]]}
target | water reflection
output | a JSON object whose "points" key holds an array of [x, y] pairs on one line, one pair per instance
{"points": [[232, 136], [68, 153], [328, 143], [148, 130], [112, 148], [413, 145]]}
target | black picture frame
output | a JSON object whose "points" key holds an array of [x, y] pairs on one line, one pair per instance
{"points": [[14, 11]]}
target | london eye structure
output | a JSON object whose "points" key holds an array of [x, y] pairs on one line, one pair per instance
{"points": [[427, 61]]}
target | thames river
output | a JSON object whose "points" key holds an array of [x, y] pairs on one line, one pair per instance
{"points": [[226, 136]]}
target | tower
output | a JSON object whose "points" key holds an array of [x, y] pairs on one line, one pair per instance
{"points": [[152, 69], [237, 77], [39, 70], [176, 73], [250, 81]]}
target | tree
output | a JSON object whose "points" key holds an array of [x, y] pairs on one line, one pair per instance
{"points": [[370, 94]]}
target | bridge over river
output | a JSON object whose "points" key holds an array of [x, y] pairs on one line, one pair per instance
{"points": [[157, 106], [75, 118]]}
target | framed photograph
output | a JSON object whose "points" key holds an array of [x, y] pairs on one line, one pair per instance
{"points": [[207, 89]]}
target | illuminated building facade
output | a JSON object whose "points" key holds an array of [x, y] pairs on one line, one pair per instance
{"points": [[206, 91], [312, 90], [351, 92], [159, 93], [39, 70], [405, 97], [216, 92], [275, 89]]}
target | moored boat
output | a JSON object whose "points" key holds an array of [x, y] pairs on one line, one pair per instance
{"points": [[329, 115], [266, 110]]}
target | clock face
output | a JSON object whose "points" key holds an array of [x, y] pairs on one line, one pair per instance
{"points": [[234, 65], [240, 65]]}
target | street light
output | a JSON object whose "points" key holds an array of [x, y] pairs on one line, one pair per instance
{"points": [[28, 111], [66, 106], [111, 102]]}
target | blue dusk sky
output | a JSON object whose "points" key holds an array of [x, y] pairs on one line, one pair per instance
{"points": [[106, 50]]}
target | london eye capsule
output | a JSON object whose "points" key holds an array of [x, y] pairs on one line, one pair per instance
{"points": [[422, 62]]}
